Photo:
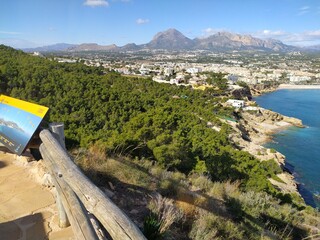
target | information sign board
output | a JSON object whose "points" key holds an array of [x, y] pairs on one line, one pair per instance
{"points": [[18, 122]]}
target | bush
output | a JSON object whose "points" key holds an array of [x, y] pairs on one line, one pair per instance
{"points": [[201, 182], [272, 150], [209, 226], [235, 208], [217, 190]]}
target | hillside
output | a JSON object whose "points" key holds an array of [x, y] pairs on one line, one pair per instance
{"points": [[151, 139]]}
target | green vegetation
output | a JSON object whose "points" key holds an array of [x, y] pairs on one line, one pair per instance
{"points": [[158, 143], [217, 79], [133, 117]]}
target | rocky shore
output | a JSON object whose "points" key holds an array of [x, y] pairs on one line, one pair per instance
{"points": [[254, 129], [258, 90]]}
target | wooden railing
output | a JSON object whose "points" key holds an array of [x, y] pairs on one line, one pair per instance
{"points": [[77, 195]]}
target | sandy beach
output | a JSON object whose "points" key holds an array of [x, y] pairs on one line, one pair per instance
{"points": [[291, 86]]}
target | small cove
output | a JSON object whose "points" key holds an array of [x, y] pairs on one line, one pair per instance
{"points": [[301, 146]]}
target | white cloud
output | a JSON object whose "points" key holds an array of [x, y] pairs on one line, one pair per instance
{"points": [[142, 21], [96, 3], [270, 33], [209, 31], [303, 10], [10, 33], [311, 37], [302, 38]]}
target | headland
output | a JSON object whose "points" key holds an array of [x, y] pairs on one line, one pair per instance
{"points": [[254, 129]]}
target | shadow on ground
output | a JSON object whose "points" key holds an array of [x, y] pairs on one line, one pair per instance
{"points": [[29, 227]]}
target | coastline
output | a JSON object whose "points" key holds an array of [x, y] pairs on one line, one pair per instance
{"points": [[258, 92], [254, 130], [303, 87]]}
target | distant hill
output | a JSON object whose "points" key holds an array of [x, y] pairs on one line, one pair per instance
{"points": [[51, 48], [92, 47], [173, 40], [312, 48], [131, 47]]}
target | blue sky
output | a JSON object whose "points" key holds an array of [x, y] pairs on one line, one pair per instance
{"points": [[27, 23]]}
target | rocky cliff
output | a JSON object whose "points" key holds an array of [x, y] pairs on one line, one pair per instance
{"points": [[255, 128], [241, 93]]}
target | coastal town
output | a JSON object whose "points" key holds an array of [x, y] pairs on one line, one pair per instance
{"points": [[191, 68]]}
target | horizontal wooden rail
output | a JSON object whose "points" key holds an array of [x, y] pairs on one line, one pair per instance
{"points": [[117, 223], [77, 215]]}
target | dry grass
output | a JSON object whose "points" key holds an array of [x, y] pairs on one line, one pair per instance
{"points": [[200, 201], [232, 188], [187, 202], [166, 212], [209, 226], [93, 157], [97, 164], [217, 190]]}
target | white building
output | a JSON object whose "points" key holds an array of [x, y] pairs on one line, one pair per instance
{"points": [[299, 78], [193, 70], [236, 103], [168, 71]]}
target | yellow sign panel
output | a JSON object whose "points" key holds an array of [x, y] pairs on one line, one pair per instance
{"points": [[18, 122], [32, 108]]}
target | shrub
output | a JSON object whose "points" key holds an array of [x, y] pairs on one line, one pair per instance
{"points": [[272, 150], [201, 182], [209, 226], [235, 208], [217, 190]]}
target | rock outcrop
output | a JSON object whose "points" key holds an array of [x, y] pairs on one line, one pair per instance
{"points": [[253, 129], [241, 93], [259, 89]]}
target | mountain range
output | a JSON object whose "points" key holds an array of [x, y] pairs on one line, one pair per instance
{"points": [[173, 40]]}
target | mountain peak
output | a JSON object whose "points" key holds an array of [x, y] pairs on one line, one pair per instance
{"points": [[171, 32], [170, 39]]}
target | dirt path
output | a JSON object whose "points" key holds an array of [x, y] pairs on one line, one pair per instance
{"points": [[27, 209]]}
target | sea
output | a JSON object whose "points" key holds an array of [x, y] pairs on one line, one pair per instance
{"points": [[301, 146], [18, 138]]}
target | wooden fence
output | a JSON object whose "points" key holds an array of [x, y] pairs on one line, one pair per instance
{"points": [[77, 195]]}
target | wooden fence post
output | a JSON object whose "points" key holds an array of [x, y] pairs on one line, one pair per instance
{"points": [[57, 130]]}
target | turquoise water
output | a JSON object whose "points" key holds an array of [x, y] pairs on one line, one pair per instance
{"points": [[301, 146]]}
